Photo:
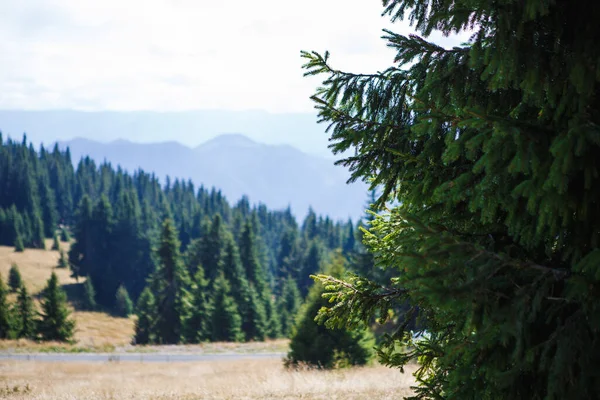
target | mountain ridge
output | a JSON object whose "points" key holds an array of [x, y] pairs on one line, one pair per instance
{"points": [[276, 175]]}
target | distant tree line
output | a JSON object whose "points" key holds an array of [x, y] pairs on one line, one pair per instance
{"points": [[196, 267]]}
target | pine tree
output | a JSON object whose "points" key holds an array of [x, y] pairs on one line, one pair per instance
{"points": [[6, 322], [55, 323], [14, 278], [488, 153], [25, 315], [123, 304], [64, 235], [89, 295], [19, 246], [146, 314], [62, 260], [169, 283], [197, 326], [289, 303], [55, 242], [315, 344], [226, 321]]}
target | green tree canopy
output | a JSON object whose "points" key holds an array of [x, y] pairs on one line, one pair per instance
{"points": [[315, 344], [55, 323], [14, 278], [489, 152]]}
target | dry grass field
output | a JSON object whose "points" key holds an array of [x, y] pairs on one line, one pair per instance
{"points": [[95, 330], [35, 266], [246, 379]]}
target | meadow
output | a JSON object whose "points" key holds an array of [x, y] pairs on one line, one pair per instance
{"points": [[244, 379]]}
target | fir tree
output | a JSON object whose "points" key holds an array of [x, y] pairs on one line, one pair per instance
{"points": [[315, 344], [89, 295], [488, 153], [6, 322], [14, 278], [55, 242], [198, 326], [19, 246], [226, 321], [25, 315], [64, 235], [169, 283], [146, 315], [289, 303], [123, 304], [55, 323], [62, 260]]}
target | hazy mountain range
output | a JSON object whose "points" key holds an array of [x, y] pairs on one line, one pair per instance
{"points": [[276, 175], [191, 128]]}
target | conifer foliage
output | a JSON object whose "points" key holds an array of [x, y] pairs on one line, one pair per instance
{"points": [[489, 151], [54, 323], [313, 343], [14, 278]]}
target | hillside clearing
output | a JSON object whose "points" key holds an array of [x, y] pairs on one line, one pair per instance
{"points": [[254, 379]]}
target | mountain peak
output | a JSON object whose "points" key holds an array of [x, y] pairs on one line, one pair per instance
{"points": [[230, 139]]}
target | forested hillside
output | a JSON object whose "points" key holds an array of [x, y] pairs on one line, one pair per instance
{"points": [[198, 267]]}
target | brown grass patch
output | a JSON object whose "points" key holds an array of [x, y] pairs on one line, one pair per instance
{"points": [[245, 379], [35, 265]]}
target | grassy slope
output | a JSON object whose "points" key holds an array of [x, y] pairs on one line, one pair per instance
{"points": [[94, 329], [97, 331]]}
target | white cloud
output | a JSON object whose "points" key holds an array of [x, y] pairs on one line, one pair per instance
{"points": [[179, 54]]}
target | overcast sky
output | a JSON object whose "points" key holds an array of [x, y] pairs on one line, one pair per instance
{"points": [[171, 55]]}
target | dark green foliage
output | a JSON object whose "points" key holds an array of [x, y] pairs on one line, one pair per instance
{"points": [[198, 326], [6, 322], [54, 323], [89, 295], [63, 262], [169, 284], [19, 247], [226, 321], [314, 344], [489, 152], [146, 314], [64, 235], [25, 324], [14, 278], [123, 304], [115, 219], [289, 304], [55, 242]]}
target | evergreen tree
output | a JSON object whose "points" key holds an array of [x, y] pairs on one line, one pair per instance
{"points": [[123, 304], [315, 344], [14, 278], [19, 246], [64, 235], [272, 316], [197, 327], [226, 321], [25, 315], [488, 152], [6, 322], [169, 283], [55, 323], [289, 303], [89, 295], [55, 242], [62, 260], [146, 315]]}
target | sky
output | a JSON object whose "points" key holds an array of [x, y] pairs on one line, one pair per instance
{"points": [[176, 55]]}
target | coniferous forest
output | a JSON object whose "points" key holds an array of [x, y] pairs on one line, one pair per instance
{"points": [[190, 265]]}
